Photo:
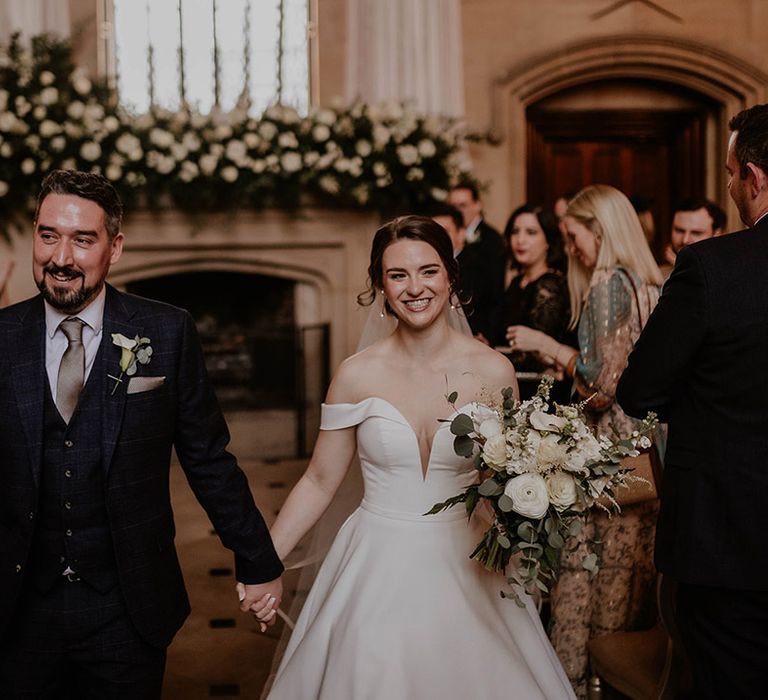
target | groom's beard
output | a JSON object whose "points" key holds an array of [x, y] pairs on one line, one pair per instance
{"points": [[66, 300]]}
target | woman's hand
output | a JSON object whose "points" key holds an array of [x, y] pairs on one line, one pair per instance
{"points": [[525, 339]]}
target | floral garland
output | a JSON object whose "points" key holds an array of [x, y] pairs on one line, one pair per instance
{"points": [[52, 115]]}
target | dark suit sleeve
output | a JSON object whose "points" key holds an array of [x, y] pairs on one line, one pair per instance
{"points": [[219, 484], [661, 357]]}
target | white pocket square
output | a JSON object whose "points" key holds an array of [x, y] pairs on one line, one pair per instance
{"points": [[136, 385]]}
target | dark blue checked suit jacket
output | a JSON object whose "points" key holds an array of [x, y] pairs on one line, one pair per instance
{"points": [[138, 432]]}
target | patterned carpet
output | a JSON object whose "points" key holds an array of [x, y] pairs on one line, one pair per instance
{"points": [[219, 652]]}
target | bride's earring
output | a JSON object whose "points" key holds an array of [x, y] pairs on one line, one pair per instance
{"points": [[381, 313]]}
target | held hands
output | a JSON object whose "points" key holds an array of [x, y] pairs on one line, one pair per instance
{"points": [[262, 599]]}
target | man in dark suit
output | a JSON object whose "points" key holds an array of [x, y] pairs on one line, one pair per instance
{"points": [[96, 387], [483, 251], [702, 364]]}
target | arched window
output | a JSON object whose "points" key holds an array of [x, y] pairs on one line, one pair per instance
{"points": [[212, 52]]}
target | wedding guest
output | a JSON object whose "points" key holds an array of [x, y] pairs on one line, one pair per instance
{"points": [[694, 219], [482, 240], [700, 363], [477, 290], [398, 609], [6, 267], [614, 285], [536, 292], [91, 593]]}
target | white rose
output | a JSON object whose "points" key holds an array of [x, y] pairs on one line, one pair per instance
{"points": [[49, 128], [46, 77], [540, 420], [251, 140], [439, 194], [161, 138], [381, 135], [361, 194], [383, 181], [39, 112], [329, 184], [7, 121], [223, 132], [587, 450], [414, 174], [113, 172], [69, 164], [189, 171], [490, 427], [426, 148], [127, 143], [76, 109], [229, 173], [267, 130], [291, 162], [3, 188], [363, 148], [561, 488], [179, 151], [258, 165], [191, 141], [93, 112], [288, 140], [111, 123], [379, 169], [342, 165], [28, 166], [90, 151], [321, 133], [325, 116], [58, 143], [208, 163], [495, 451], [408, 154], [644, 442], [165, 164], [529, 495], [73, 130], [356, 166], [49, 96], [81, 84], [551, 453], [310, 158], [236, 151]]}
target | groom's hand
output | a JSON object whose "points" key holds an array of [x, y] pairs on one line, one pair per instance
{"points": [[262, 599]]}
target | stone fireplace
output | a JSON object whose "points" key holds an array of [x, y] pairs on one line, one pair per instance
{"points": [[273, 296]]}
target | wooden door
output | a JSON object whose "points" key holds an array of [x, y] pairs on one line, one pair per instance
{"points": [[655, 155]]}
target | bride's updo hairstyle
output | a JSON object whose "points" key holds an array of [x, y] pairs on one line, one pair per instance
{"points": [[415, 228]]}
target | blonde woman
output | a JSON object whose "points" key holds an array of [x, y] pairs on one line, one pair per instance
{"points": [[614, 285]]}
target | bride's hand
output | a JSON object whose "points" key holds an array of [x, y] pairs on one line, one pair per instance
{"points": [[262, 600]]}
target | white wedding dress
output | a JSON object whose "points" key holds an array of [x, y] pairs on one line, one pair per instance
{"points": [[398, 611]]}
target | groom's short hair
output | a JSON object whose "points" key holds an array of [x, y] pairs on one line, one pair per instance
{"points": [[90, 186], [752, 140]]}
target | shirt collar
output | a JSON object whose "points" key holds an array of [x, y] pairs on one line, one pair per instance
{"points": [[92, 315]]}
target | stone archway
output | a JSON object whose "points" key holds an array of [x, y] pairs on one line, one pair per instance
{"points": [[727, 81]]}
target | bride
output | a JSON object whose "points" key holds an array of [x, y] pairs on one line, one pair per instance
{"points": [[398, 611]]}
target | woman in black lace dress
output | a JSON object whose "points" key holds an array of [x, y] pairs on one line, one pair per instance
{"points": [[537, 291]]}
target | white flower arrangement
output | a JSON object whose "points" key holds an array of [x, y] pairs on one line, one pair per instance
{"points": [[385, 157], [541, 469]]}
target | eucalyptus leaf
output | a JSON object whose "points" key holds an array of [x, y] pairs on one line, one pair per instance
{"points": [[525, 531], [462, 425], [574, 529], [463, 446], [503, 541], [490, 487], [505, 503], [555, 540], [452, 397]]}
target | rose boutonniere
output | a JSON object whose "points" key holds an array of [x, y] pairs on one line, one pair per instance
{"points": [[135, 351]]}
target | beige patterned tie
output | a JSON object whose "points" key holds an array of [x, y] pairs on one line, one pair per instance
{"points": [[72, 368]]}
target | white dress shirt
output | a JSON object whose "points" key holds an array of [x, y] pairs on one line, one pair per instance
{"points": [[56, 342]]}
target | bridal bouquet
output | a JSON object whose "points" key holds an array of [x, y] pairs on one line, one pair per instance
{"points": [[541, 469]]}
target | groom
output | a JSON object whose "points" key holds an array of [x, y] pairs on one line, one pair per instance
{"points": [[91, 592], [702, 364]]}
